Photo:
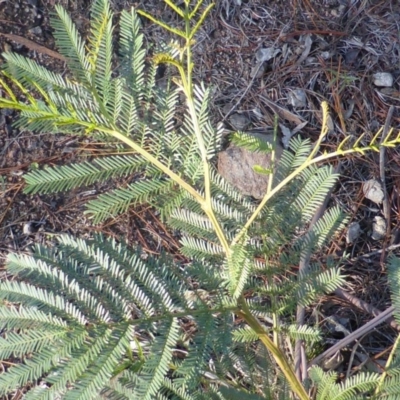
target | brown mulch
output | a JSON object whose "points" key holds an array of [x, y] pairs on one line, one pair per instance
{"points": [[327, 49]]}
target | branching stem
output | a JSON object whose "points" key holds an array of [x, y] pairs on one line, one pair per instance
{"points": [[299, 170], [188, 90]]}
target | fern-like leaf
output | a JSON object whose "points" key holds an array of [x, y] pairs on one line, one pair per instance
{"points": [[66, 177], [156, 366], [71, 45], [110, 204], [252, 143]]}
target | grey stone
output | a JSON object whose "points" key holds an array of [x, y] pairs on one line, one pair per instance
{"points": [[383, 79], [27, 228], [266, 54], [239, 121], [298, 98], [7, 111], [258, 70], [236, 164], [353, 232], [37, 30], [379, 227], [373, 191]]}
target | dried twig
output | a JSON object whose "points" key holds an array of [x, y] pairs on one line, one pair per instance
{"points": [[33, 45], [281, 111], [382, 317], [375, 252], [364, 306]]}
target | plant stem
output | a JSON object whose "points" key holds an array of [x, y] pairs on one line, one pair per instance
{"points": [[275, 329], [208, 209], [181, 182], [279, 357], [389, 361], [204, 202], [301, 168], [188, 90]]}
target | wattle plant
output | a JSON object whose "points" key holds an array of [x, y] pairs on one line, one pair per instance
{"points": [[92, 318]]}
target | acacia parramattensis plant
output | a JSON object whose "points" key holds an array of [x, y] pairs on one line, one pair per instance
{"points": [[90, 319]]}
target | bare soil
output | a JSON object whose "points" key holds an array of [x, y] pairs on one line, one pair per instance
{"points": [[325, 50]]}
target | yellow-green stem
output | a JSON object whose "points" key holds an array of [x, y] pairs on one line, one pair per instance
{"points": [[275, 329], [324, 130], [389, 361], [181, 182], [295, 173], [273, 155], [188, 90], [278, 355], [204, 202], [207, 207]]}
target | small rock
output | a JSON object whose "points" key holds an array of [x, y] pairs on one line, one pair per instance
{"points": [[332, 362], [325, 55], [37, 30], [258, 70], [227, 108], [310, 60], [236, 164], [32, 227], [7, 111], [32, 12], [27, 229], [383, 79], [373, 191], [239, 121], [258, 114], [351, 56], [378, 228], [389, 92], [297, 98], [266, 54], [336, 324], [353, 232]]}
